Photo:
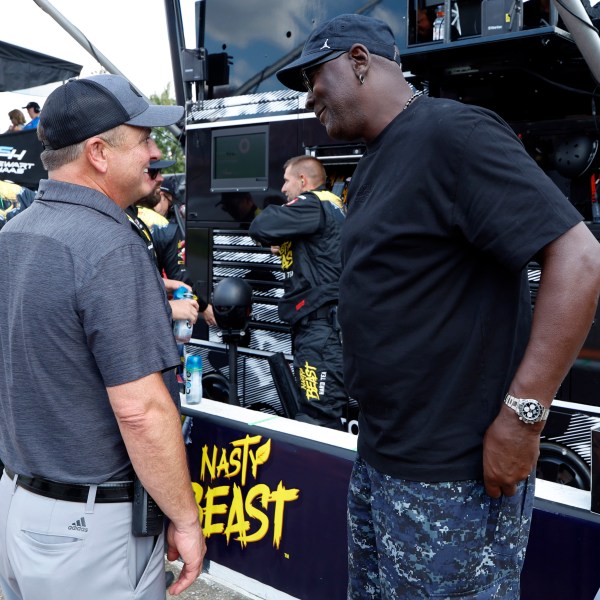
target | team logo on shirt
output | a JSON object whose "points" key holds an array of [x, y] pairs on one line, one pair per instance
{"points": [[286, 256]]}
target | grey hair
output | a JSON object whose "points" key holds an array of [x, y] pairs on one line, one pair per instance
{"points": [[54, 159]]}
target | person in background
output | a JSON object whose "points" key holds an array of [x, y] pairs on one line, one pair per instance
{"points": [[182, 308], [33, 110], [148, 207], [168, 243], [84, 319], [14, 199], [425, 19], [171, 205], [168, 196], [17, 120], [453, 375], [240, 206], [305, 233]]}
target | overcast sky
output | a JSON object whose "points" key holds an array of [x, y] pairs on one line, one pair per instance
{"points": [[132, 34]]}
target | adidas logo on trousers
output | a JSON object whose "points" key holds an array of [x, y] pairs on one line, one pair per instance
{"points": [[78, 525]]}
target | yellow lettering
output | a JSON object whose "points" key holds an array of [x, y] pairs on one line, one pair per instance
{"points": [[248, 516], [285, 253], [235, 462], [308, 381], [206, 462], [261, 457], [245, 444], [211, 509], [258, 490], [280, 497], [236, 522], [198, 493], [223, 467]]}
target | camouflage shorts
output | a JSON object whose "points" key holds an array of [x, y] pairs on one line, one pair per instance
{"points": [[410, 540]]}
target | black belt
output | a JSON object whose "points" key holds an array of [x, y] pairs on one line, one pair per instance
{"points": [[111, 491], [323, 312]]}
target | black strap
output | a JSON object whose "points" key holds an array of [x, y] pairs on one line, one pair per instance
{"points": [[142, 230], [111, 491], [323, 312]]}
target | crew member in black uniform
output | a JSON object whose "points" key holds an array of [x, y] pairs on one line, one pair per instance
{"points": [[168, 239], [307, 231], [165, 244]]}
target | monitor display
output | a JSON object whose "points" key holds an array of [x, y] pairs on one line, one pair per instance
{"points": [[239, 159]]}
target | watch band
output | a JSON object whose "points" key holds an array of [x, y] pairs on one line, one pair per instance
{"points": [[529, 410]]}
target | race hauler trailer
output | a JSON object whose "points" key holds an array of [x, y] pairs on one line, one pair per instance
{"points": [[516, 58], [271, 491]]}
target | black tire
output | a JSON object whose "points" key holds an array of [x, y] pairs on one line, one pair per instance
{"points": [[560, 464], [215, 386]]}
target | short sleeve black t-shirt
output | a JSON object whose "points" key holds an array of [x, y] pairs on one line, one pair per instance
{"points": [[445, 210]]}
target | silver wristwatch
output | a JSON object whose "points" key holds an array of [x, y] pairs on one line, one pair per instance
{"points": [[530, 411]]}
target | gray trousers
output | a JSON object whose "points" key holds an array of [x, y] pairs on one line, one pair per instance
{"points": [[53, 549]]}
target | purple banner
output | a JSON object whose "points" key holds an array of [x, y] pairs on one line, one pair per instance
{"points": [[273, 506]]}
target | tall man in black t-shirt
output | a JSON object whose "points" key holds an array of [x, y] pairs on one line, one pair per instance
{"points": [[453, 377]]}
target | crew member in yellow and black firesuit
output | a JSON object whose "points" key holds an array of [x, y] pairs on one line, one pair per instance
{"points": [[307, 231], [166, 248]]}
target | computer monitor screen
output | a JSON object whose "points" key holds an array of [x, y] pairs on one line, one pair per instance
{"points": [[239, 159]]}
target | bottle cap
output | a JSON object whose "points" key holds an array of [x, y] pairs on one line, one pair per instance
{"points": [[193, 362], [178, 294]]}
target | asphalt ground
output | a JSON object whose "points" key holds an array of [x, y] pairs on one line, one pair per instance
{"points": [[203, 588]]}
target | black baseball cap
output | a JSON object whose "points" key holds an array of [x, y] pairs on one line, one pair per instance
{"points": [[83, 108], [336, 37], [170, 186], [33, 105]]}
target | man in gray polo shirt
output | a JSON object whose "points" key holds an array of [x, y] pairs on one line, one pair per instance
{"points": [[85, 335]]}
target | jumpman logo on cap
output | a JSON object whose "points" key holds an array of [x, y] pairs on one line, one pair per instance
{"points": [[325, 46]]}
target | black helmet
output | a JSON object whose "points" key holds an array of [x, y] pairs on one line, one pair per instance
{"points": [[574, 155], [232, 303], [215, 386]]}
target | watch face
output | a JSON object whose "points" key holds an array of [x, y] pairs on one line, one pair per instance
{"points": [[531, 411]]}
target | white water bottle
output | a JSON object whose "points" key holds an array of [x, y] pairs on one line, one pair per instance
{"points": [[193, 379], [438, 24], [182, 328]]}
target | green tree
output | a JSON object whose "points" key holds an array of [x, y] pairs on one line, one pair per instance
{"points": [[169, 145]]}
